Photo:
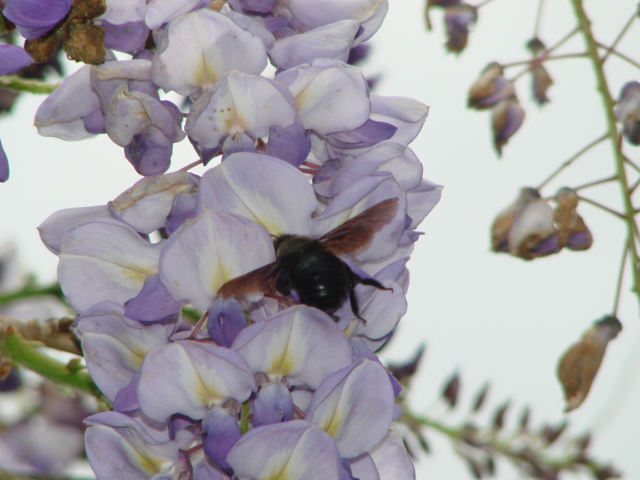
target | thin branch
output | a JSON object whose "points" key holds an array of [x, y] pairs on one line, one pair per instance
{"points": [[619, 215], [616, 301], [569, 161], [543, 58], [608, 103], [619, 37], [482, 4], [619, 54], [596, 182], [536, 29]]}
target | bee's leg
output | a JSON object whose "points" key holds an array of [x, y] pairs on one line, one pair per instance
{"points": [[353, 281], [371, 281]]}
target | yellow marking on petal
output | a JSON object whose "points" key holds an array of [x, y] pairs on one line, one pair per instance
{"points": [[282, 364], [205, 75], [277, 469], [146, 462], [333, 425]]}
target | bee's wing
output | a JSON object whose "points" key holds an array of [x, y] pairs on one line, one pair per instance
{"points": [[261, 279], [356, 232]]}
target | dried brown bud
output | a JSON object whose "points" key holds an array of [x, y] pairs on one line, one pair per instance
{"points": [[507, 118], [481, 396], [85, 43], [572, 231], [580, 364], [44, 48], [525, 229], [541, 82], [551, 433], [458, 19], [490, 88], [525, 415]]}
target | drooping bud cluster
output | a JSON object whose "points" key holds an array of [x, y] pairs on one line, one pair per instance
{"points": [[628, 111], [493, 90], [271, 384], [459, 17], [531, 228]]}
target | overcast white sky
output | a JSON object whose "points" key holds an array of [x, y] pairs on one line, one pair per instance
{"points": [[493, 317]]}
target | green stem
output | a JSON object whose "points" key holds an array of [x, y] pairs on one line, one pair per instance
{"points": [[536, 29], [32, 291], [612, 178], [28, 355], [618, 54], [13, 82], [608, 103], [244, 419], [542, 59], [620, 35]]}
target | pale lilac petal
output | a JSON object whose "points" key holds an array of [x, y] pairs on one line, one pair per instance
{"points": [[123, 11], [105, 260], [61, 114], [146, 205], [240, 103], [330, 95], [57, 225], [226, 320], [391, 458], [114, 348], [421, 200], [295, 450], [354, 406], [189, 378], [183, 208], [13, 58], [366, 135], [307, 13], [330, 41], [301, 344], [364, 468], [217, 45], [128, 37], [117, 448], [208, 251], [407, 114], [263, 189], [160, 12]]}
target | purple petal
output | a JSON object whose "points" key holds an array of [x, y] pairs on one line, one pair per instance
{"points": [[407, 114], [35, 17], [291, 144], [391, 458], [4, 165], [366, 135], [221, 432], [274, 404], [13, 58], [57, 225], [183, 208], [258, 6], [153, 303], [226, 320], [163, 11], [150, 153]]}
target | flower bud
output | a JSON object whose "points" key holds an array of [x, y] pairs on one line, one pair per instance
{"points": [[525, 229], [490, 88], [628, 111], [457, 20], [507, 117], [541, 78], [572, 231]]}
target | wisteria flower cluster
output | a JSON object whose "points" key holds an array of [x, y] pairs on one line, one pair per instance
{"points": [[271, 387]]}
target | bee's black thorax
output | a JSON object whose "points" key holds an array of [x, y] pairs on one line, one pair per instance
{"points": [[319, 277]]}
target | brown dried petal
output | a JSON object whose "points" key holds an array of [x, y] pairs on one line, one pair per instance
{"points": [[541, 83], [403, 372], [551, 433], [86, 43], [481, 396], [44, 48], [525, 416], [580, 364], [506, 120], [490, 88], [504, 221], [498, 417]]}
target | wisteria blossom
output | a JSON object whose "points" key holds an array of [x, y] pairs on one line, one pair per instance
{"points": [[263, 385]]}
